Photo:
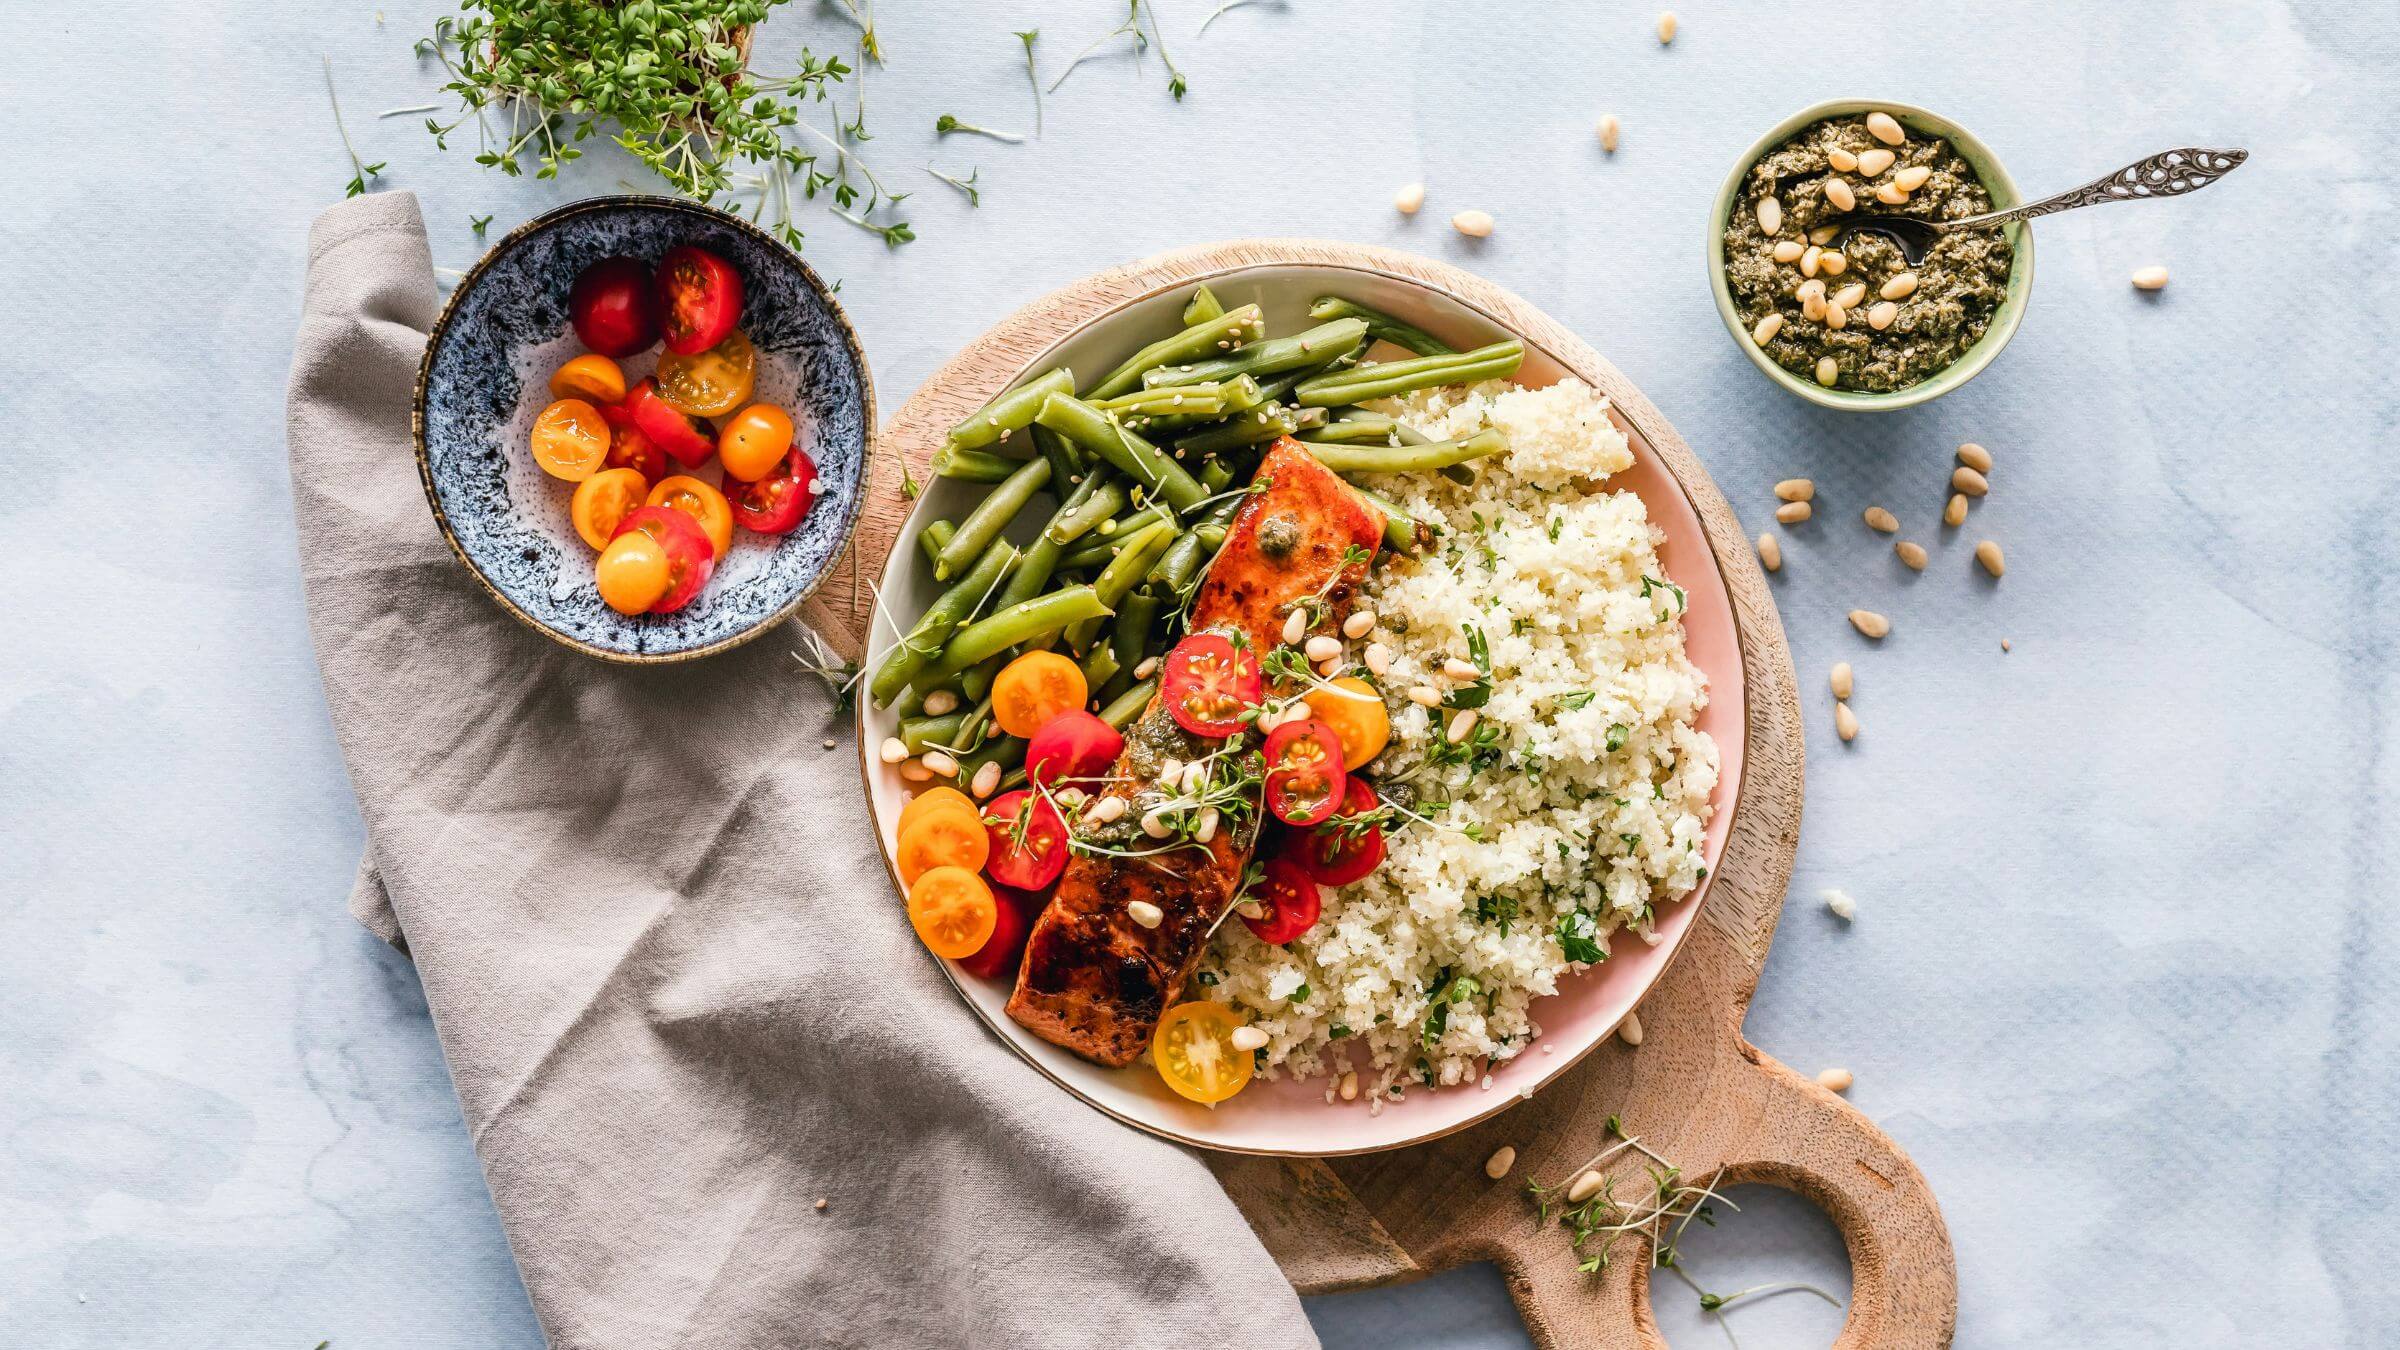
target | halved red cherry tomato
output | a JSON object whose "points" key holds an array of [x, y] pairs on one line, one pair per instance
{"points": [[1029, 840], [1208, 684], [1344, 848], [1304, 772], [777, 503], [699, 299], [690, 557], [1072, 745], [628, 448], [689, 439], [1290, 901], [1013, 915], [615, 307]]}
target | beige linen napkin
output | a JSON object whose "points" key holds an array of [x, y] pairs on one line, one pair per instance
{"points": [[679, 999]]}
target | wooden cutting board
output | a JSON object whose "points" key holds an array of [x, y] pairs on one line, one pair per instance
{"points": [[1694, 1090]]}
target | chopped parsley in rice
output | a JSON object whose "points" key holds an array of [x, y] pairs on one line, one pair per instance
{"points": [[1573, 809]]}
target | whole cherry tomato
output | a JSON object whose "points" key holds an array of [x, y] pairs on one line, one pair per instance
{"points": [[615, 307]]}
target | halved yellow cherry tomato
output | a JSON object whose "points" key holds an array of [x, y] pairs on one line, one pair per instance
{"points": [[634, 572], [602, 502], [755, 442], [943, 837], [702, 502], [590, 377], [953, 911], [1193, 1048], [570, 439], [931, 798], [710, 383], [1355, 712], [1035, 688]]}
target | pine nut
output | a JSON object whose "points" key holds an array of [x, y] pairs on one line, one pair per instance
{"points": [[1630, 1030], [1840, 904], [1912, 554], [1900, 287], [1808, 288], [1836, 317], [1835, 1080], [1881, 126], [1812, 307], [1851, 296], [1975, 457], [1322, 647], [1842, 160], [1770, 553], [1295, 627], [1350, 1085], [1808, 260], [1473, 224], [940, 701], [1792, 513], [1875, 161], [1072, 797], [1770, 216], [1247, 1038], [987, 778], [1837, 191], [1767, 328], [1969, 482], [1881, 521], [1988, 553], [1608, 132], [1156, 826], [1586, 1186], [1666, 28], [1330, 666], [1358, 625], [1106, 809], [892, 751], [1251, 909], [1408, 199], [1832, 264], [1460, 670], [1151, 916], [1842, 680], [1870, 623], [1378, 658], [1146, 669], [1881, 314], [1796, 490], [1425, 696], [1461, 723], [1206, 830], [1498, 1164], [1954, 512], [913, 772], [1828, 371], [1911, 178], [1891, 195], [940, 762], [1170, 770], [1788, 250], [2150, 279], [1824, 234], [1845, 722]]}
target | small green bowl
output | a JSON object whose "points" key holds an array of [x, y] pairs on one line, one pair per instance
{"points": [[1996, 181]]}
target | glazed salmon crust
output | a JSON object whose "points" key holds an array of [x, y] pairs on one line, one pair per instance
{"points": [[1093, 980]]}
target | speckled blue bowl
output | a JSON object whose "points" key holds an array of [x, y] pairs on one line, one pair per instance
{"points": [[485, 377]]}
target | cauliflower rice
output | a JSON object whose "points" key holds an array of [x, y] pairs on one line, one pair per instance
{"points": [[1574, 809]]}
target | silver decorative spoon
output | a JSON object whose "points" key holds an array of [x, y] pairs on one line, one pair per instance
{"points": [[2169, 173]]}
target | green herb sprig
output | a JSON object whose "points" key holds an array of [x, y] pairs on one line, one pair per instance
{"points": [[361, 174]]}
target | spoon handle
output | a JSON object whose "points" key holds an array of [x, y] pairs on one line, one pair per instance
{"points": [[2169, 173]]}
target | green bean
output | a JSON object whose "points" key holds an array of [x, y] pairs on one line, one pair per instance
{"points": [[1090, 555], [918, 732], [1212, 537], [1129, 638], [990, 517], [1040, 559], [976, 466], [1136, 458], [1202, 307], [1104, 502], [1006, 751], [995, 420], [1407, 458], [1385, 379], [933, 536], [1132, 563], [934, 629], [1039, 617], [1381, 325], [1099, 665], [1354, 427], [1066, 466], [976, 683], [1182, 560], [1255, 428], [1401, 531], [1318, 346], [1204, 400], [1197, 343], [1216, 475], [1127, 706]]}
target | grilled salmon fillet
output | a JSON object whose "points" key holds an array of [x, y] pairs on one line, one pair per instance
{"points": [[1093, 980]]}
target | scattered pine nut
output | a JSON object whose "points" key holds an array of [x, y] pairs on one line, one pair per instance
{"points": [[892, 751], [941, 762], [1608, 132], [1881, 314], [1832, 262], [1248, 1038], [1295, 627], [1881, 126], [1845, 723], [1881, 521], [1408, 199], [1151, 916], [1988, 553], [1955, 513], [1767, 328], [1630, 1030], [1146, 669], [1842, 160], [1870, 623], [1824, 234], [1812, 303], [1900, 287], [2150, 279], [1359, 624], [1155, 825], [1330, 666], [1835, 1080], [1968, 481], [1770, 215], [2004, 645], [1975, 457], [1350, 1085], [1460, 670], [1796, 490], [1911, 178], [1852, 295], [1842, 680], [912, 771], [1666, 28], [987, 779], [1425, 696], [1792, 513], [1322, 647], [1807, 289], [940, 701], [1770, 553], [1473, 224], [1461, 723], [1837, 191], [1828, 371], [821, 1202], [1378, 658], [1912, 554], [1498, 1164], [1788, 250], [1836, 317], [1809, 258], [1586, 1186], [1875, 161], [1891, 195], [1843, 907]]}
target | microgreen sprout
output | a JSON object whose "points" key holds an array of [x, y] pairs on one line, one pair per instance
{"points": [[1027, 37], [948, 125], [1176, 84], [1132, 28], [360, 173], [862, 13], [1214, 14], [479, 224], [965, 185]]}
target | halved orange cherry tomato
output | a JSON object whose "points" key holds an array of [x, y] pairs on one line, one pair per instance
{"points": [[952, 910], [928, 800], [754, 442], [690, 440], [699, 299], [1304, 772], [570, 439], [703, 503], [710, 383], [602, 502], [690, 560], [590, 377], [633, 573], [628, 448], [1193, 1048], [1034, 688], [943, 838], [1208, 684], [1355, 712]]}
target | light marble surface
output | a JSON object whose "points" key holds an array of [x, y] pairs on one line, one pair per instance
{"points": [[2121, 977]]}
